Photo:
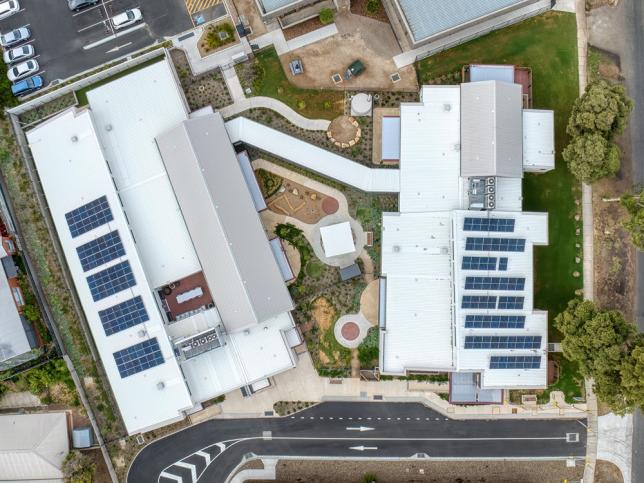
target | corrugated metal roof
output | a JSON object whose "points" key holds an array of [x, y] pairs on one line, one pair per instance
{"points": [[272, 5], [427, 18], [538, 139], [242, 274], [13, 340], [491, 129]]}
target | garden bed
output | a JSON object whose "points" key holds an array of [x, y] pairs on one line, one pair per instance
{"points": [[215, 37]]}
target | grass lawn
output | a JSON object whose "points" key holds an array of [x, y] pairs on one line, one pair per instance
{"points": [[271, 81], [569, 382], [547, 44]]}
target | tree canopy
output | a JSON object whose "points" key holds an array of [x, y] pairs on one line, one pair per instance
{"points": [[607, 350], [634, 205], [591, 157], [603, 109]]}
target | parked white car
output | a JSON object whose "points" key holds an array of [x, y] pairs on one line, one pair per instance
{"points": [[18, 54], [8, 8], [127, 18], [15, 36], [23, 69]]}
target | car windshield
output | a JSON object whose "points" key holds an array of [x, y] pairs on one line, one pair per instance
{"points": [[130, 15]]}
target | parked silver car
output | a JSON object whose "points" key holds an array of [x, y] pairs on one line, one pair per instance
{"points": [[18, 54], [22, 70], [15, 36], [8, 8]]}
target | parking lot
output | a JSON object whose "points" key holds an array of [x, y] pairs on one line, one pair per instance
{"points": [[67, 42]]}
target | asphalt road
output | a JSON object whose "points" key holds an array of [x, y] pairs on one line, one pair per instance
{"points": [[61, 37], [633, 67], [209, 451]]}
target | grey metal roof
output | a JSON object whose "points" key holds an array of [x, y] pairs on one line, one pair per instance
{"points": [[10, 268], [491, 129], [237, 261], [272, 5], [503, 73], [352, 271], [427, 18]]}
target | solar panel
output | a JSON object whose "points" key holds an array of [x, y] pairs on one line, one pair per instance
{"points": [[502, 342], [503, 264], [479, 263], [495, 244], [510, 302], [494, 321], [138, 358], [111, 280], [489, 224], [89, 216], [494, 283], [515, 362], [100, 251], [478, 302], [124, 315]]}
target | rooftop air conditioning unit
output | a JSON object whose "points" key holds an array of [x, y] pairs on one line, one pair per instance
{"points": [[142, 333], [396, 248], [457, 147], [74, 139], [490, 189], [490, 202], [490, 181], [161, 386], [447, 107]]}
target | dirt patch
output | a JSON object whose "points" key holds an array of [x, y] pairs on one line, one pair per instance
{"points": [[323, 313], [248, 8], [607, 472], [371, 41], [359, 7], [344, 131], [369, 302], [429, 471], [302, 28], [298, 201]]}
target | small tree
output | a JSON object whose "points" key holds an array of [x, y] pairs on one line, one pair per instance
{"points": [[634, 205], [632, 372], [78, 468], [591, 157], [326, 16], [604, 109], [373, 6]]}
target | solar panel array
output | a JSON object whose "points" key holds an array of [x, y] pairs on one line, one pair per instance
{"points": [[124, 315], [503, 264], [510, 303], [495, 244], [515, 362], [478, 302], [479, 263], [494, 321], [494, 283], [502, 342], [489, 224], [100, 251], [111, 280], [89, 216], [138, 358]]}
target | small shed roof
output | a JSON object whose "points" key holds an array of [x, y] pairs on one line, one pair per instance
{"points": [[352, 271], [479, 72], [337, 239]]}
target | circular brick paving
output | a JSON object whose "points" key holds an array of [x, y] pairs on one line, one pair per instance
{"points": [[330, 205], [350, 331]]}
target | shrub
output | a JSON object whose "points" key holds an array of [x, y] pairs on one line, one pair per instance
{"points": [[368, 350], [78, 468], [373, 6], [301, 105], [326, 16]]}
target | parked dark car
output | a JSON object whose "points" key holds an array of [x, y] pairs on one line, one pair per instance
{"points": [[76, 5], [355, 69]]}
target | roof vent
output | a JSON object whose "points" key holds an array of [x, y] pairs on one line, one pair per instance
{"points": [[74, 138], [108, 128], [447, 107], [142, 333], [457, 147], [396, 248], [161, 386]]}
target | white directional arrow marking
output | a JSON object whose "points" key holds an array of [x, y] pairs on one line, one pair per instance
{"points": [[360, 428], [170, 476], [363, 448], [188, 466], [204, 455]]}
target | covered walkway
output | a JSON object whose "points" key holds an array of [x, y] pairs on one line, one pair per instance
{"points": [[312, 157]]}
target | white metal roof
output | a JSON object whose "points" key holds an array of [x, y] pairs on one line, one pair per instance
{"points": [[337, 239], [129, 112], [538, 139], [430, 151], [33, 446], [13, 340], [312, 157], [483, 72], [73, 172], [416, 259]]}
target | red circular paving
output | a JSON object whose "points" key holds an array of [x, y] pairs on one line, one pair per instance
{"points": [[330, 205], [350, 331]]}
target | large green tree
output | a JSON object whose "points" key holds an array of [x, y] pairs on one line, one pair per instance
{"points": [[632, 372], [603, 109], [591, 157], [601, 343], [634, 205]]}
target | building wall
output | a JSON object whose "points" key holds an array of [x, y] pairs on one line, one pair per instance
{"points": [[284, 10], [461, 33]]}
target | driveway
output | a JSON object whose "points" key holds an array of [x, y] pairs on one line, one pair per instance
{"points": [[67, 43], [211, 450]]}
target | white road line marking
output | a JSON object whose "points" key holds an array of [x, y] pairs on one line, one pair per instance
{"points": [[350, 419], [397, 419], [330, 417], [437, 419], [340, 418], [362, 448], [361, 429], [221, 446], [582, 424], [407, 419], [359, 419], [368, 419], [204, 455], [426, 419], [188, 466], [388, 419], [301, 417], [170, 476], [446, 419], [312, 417], [102, 22], [417, 419], [379, 419], [292, 417]]}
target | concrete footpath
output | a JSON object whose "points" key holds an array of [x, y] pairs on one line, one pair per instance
{"points": [[304, 384]]}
